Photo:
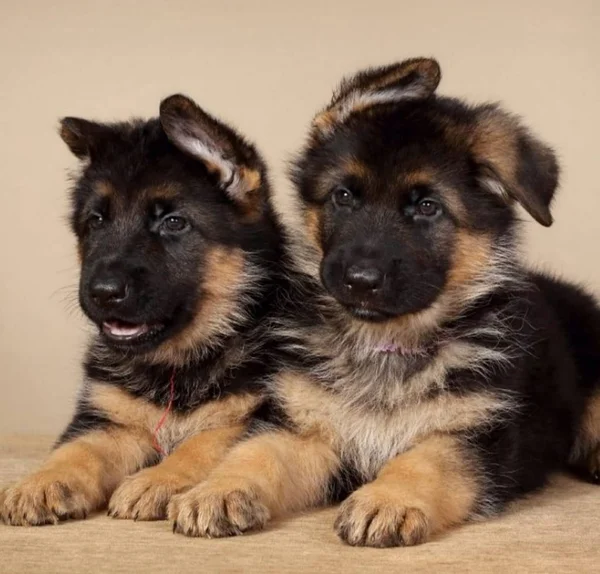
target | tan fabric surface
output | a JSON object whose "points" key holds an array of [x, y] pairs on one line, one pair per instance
{"points": [[556, 531]]}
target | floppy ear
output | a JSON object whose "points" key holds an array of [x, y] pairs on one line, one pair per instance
{"points": [[412, 79], [513, 163], [82, 136], [219, 147]]}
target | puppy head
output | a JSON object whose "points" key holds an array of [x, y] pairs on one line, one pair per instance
{"points": [[168, 214], [407, 195]]}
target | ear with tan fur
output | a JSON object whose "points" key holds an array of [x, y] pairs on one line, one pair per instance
{"points": [[513, 163], [412, 79], [83, 137], [218, 146]]}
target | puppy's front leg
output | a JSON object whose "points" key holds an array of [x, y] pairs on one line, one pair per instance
{"points": [[425, 490], [145, 495], [78, 477], [267, 475]]}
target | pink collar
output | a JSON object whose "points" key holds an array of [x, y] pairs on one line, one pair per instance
{"points": [[394, 348], [387, 348]]}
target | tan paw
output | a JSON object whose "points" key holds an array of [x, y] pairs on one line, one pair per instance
{"points": [[145, 495], [370, 517], [215, 511], [48, 497]]}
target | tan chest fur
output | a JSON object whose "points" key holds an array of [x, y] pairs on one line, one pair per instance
{"points": [[129, 411], [367, 438]]}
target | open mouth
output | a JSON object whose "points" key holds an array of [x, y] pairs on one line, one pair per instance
{"points": [[124, 332]]}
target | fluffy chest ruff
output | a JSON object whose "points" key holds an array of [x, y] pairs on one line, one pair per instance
{"points": [[129, 411], [410, 409]]}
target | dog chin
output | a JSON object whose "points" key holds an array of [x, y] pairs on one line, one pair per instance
{"points": [[368, 315]]}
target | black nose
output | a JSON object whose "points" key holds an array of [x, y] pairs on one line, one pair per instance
{"points": [[363, 278], [109, 290]]}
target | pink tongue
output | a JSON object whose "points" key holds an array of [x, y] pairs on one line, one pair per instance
{"points": [[118, 329]]}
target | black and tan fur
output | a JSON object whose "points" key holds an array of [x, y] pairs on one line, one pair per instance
{"points": [[430, 378], [179, 248]]}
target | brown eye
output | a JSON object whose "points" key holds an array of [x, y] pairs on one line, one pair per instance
{"points": [[427, 208], [95, 221], [174, 224], [342, 197]]}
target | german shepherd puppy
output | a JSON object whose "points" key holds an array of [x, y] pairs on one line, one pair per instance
{"points": [[431, 378], [178, 246]]}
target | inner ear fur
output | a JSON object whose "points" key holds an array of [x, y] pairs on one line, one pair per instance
{"points": [[412, 79], [513, 163], [223, 151]]}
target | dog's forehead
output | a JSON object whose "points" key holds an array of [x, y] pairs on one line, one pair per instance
{"points": [[414, 145], [135, 193], [400, 168], [139, 176], [138, 165]]}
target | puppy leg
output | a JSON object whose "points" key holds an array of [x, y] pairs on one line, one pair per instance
{"points": [[78, 477], [268, 475], [145, 495], [425, 490]]}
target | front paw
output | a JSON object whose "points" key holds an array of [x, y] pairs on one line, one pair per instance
{"points": [[215, 511], [371, 517], [46, 498], [145, 495]]}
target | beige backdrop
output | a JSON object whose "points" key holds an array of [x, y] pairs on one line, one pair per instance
{"points": [[266, 66]]}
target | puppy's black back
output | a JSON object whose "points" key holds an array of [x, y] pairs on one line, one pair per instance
{"points": [[579, 317]]}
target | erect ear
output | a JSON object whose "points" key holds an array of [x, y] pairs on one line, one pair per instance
{"points": [[82, 136], [224, 152], [412, 79], [513, 163]]}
